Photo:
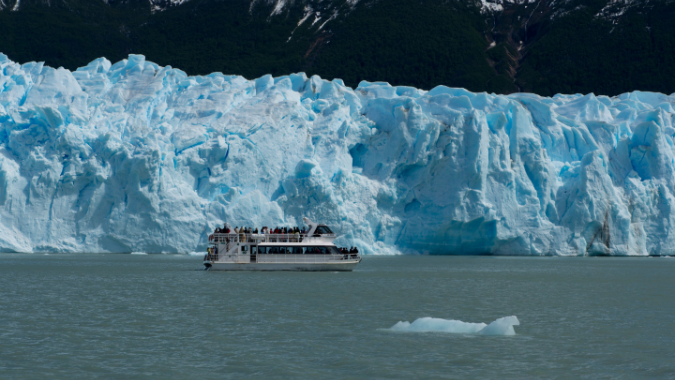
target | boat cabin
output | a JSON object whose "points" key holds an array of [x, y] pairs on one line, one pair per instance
{"points": [[314, 246]]}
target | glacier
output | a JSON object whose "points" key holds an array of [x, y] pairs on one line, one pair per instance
{"points": [[135, 157]]}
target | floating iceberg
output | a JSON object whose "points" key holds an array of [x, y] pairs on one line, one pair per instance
{"points": [[502, 326], [134, 157]]}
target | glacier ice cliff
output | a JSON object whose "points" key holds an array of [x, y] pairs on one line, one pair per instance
{"points": [[132, 156]]}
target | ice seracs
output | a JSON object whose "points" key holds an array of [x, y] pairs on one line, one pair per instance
{"points": [[135, 157]]}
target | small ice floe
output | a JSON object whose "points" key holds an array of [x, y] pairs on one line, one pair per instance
{"points": [[502, 326], [139, 253]]}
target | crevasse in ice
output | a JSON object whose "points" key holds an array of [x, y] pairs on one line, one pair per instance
{"points": [[134, 157]]}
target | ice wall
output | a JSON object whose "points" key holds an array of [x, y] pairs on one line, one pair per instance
{"points": [[137, 157]]}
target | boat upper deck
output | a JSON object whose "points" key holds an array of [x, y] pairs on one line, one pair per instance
{"points": [[315, 239]]}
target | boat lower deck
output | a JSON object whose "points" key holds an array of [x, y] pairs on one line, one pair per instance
{"points": [[285, 263], [338, 266]]}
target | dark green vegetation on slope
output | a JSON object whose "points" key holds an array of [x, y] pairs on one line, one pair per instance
{"points": [[435, 44], [585, 53], [568, 47]]}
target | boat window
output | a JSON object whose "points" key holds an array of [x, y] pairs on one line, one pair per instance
{"points": [[276, 250], [316, 250], [335, 251], [323, 230], [262, 250], [294, 250]]}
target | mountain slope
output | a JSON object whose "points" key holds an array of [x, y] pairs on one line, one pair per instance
{"points": [[503, 46]]}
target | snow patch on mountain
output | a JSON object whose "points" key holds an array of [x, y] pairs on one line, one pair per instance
{"points": [[135, 157], [278, 7], [615, 9], [498, 5], [161, 5], [308, 12], [490, 6]]}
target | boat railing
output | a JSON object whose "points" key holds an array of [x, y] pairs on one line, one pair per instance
{"points": [[260, 238]]}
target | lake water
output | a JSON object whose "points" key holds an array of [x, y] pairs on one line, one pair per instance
{"points": [[160, 316]]}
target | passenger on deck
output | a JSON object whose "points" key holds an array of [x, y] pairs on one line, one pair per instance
{"points": [[255, 231], [236, 230]]}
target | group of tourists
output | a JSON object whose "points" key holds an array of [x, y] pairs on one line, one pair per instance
{"points": [[351, 250], [284, 231], [264, 230], [269, 231], [224, 230], [254, 231], [211, 254]]}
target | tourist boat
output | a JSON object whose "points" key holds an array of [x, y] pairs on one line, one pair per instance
{"points": [[313, 251]]}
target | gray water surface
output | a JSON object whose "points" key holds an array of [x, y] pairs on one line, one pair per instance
{"points": [[161, 317]]}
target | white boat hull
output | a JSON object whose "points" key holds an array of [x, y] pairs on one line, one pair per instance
{"points": [[345, 265]]}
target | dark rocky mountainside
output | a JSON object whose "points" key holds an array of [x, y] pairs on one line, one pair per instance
{"points": [[546, 46]]}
